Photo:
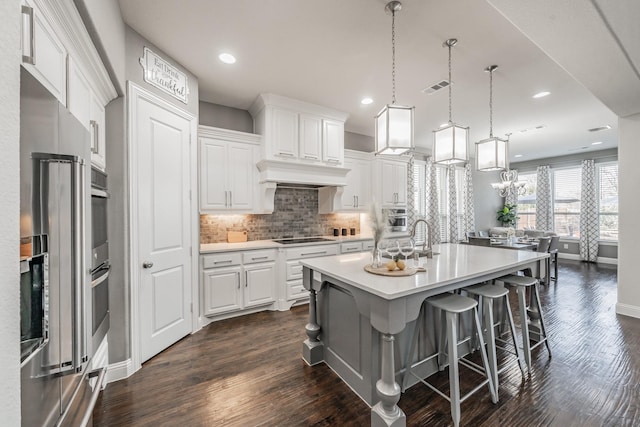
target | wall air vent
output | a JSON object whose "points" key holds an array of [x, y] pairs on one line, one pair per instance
{"points": [[435, 87], [599, 128]]}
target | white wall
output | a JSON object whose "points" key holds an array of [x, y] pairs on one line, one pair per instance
{"points": [[9, 212], [629, 205]]}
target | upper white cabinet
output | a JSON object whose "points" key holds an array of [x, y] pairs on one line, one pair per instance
{"points": [[227, 170], [298, 131], [57, 50], [43, 54], [356, 195], [391, 182]]}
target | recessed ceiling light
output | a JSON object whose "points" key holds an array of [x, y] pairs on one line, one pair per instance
{"points": [[366, 101], [596, 143], [541, 94], [227, 58], [444, 125], [518, 155]]}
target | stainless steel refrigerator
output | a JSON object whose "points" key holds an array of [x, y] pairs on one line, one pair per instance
{"points": [[55, 280]]}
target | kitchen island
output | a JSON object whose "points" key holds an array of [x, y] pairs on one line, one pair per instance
{"points": [[358, 321]]}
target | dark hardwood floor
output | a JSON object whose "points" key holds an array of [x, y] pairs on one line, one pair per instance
{"points": [[248, 371]]}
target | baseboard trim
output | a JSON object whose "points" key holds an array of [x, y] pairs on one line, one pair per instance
{"points": [[120, 370], [628, 310], [576, 257]]}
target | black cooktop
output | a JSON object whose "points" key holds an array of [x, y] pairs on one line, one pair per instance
{"points": [[302, 240]]}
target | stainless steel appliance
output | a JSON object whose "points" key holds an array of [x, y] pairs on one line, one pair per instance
{"points": [[397, 220], [54, 147], [100, 266]]}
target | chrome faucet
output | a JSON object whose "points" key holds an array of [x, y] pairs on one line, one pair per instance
{"points": [[428, 251]]}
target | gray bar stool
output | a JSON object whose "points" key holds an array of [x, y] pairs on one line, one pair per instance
{"points": [[521, 283], [450, 306], [487, 294]]}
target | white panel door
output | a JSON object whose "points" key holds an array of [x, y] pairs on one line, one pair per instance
{"points": [[259, 284], [285, 133], [352, 188], [163, 224], [389, 189], [213, 177], [240, 166], [333, 141], [222, 290], [310, 137]]}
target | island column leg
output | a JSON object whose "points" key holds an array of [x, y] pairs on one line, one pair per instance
{"points": [[386, 412], [312, 348]]}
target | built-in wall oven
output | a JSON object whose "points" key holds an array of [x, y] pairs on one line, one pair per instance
{"points": [[397, 220], [100, 266]]}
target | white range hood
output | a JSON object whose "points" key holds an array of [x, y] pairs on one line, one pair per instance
{"points": [[274, 172]]}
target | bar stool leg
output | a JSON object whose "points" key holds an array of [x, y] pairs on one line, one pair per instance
{"points": [[542, 327], [524, 320], [513, 334], [490, 340], [442, 341], [483, 353], [454, 385]]}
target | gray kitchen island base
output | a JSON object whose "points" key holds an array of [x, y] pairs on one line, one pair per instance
{"points": [[360, 324]]}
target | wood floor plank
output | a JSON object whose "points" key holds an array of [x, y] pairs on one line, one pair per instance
{"points": [[248, 371]]}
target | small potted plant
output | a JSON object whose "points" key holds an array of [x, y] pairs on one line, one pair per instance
{"points": [[507, 215]]}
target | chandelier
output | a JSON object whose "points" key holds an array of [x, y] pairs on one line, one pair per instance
{"points": [[450, 142], [394, 123], [509, 183], [492, 153]]}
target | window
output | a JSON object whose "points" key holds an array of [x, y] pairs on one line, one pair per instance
{"points": [[420, 196], [566, 201], [527, 202], [608, 200]]}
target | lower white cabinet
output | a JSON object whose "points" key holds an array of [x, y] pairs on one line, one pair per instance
{"points": [[237, 281], [295, 291]]}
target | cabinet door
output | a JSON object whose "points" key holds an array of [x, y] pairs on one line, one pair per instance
{"points": [[79, 95], [43, 55], [213, 186], [388, 184], [332, 141], [363, 197], [240, 171], [310, 137], [259, 284], [98, 143], [352, 189], [222, 290], [284, 124], [400, 179]]}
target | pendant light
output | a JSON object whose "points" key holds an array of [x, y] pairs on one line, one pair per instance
{"points": [[451, 141], [492, 153], [394, 124]]}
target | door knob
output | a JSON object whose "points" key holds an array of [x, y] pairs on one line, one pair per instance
{"points": [[147, 264]]}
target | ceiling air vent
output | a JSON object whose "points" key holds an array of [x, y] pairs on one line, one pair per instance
{"points": [[435, 87], [599, 128]]}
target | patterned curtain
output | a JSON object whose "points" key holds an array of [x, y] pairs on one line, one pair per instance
{"points": [[433, 210], [589, 221], [469, 213], [511, 198], [453, 204], [412, 213], [544, 202]]}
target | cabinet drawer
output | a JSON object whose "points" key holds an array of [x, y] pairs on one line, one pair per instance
{"points": [[258, 256], [350, 247], [221, 260], [295, 290], [312, 251], [367, 245], [294, 270]]}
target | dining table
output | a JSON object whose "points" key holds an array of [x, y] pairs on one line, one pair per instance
{"points": [[360, 323]]}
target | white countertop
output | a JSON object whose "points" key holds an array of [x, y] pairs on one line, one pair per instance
{"points": [[270, 244], [455, 263]]}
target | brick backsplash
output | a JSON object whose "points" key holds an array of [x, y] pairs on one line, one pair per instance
{"points": [[295, 214]]}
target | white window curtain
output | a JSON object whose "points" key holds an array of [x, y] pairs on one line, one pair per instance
{"points": [[433, 210], [411, 203], [453, 204], [469, 213], [544, 199], [589, 218]]}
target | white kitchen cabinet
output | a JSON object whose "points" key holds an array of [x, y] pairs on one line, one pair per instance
{"points": [[222, 290], [227, 170], [259, 284], [356, 195], [98, 135], [292, 277], [391, 182], [43, 54], [297, 131]]}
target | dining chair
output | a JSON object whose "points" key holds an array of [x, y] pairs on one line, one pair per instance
{"points": [[554, 245], [482, 233], [480, 241], [471, 234], [543, 246]]}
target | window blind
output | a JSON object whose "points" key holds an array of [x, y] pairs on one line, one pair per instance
{"points": [[527, 202], [566, 201], [608, 200]]}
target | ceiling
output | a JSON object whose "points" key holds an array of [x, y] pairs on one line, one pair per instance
{"points": [[335, 52]]}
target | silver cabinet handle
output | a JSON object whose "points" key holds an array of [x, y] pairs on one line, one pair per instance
{"points": [[314, 253], [357, 202], [333, 161], [246, 278], [147, 264], [94, 143], [238, 273], [306, 156], [222, 262], [285, 154], [31, 58], [258, 257], [230, 200]]}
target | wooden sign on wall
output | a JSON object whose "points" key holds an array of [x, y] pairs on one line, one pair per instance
{"points": [[159, 73]]}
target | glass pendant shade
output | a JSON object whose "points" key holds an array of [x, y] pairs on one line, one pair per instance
{"points": [[394, 130], [450, 144], [491, 154]]}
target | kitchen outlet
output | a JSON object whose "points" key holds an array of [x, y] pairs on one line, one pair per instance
{"points": [[566, 246]]}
